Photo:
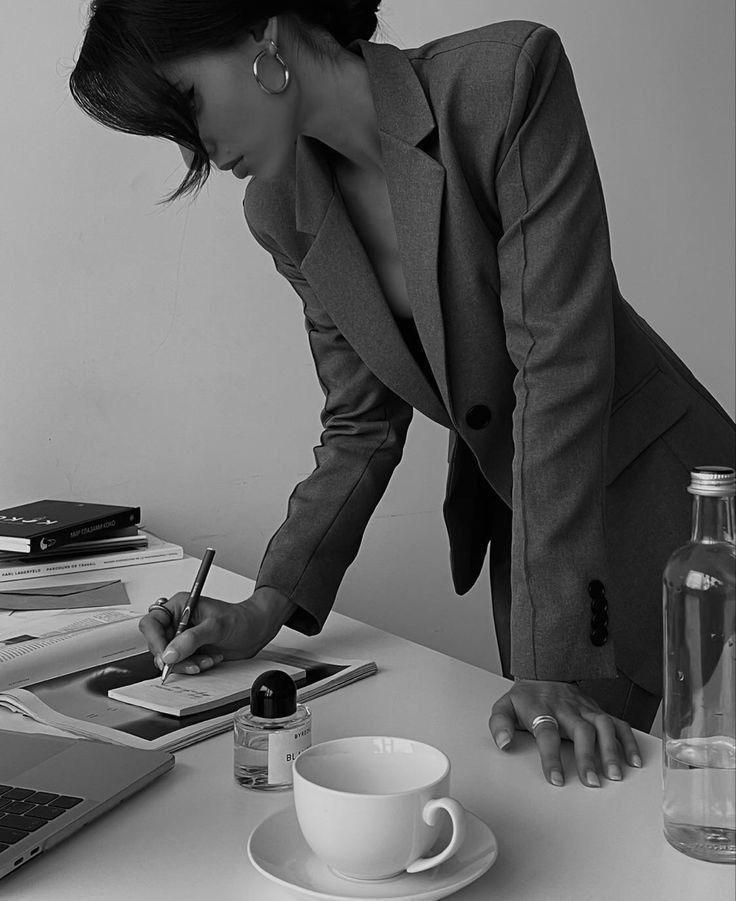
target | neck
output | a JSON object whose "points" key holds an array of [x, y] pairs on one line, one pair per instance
{"points": [[713, 519], [337, 109]]}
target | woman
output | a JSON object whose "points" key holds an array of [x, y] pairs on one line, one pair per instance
{"points": [[439, 213]]}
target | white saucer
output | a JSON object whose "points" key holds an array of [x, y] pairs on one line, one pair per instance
{"points": [[277, 849]]}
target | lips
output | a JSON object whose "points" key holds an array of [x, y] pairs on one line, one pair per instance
{"points": [[240, 169], [231, 165]]}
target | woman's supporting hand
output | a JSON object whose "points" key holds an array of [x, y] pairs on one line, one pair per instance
{"points": [[219, 631], [595, 734]]}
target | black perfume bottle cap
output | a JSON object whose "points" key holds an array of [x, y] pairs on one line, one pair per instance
{"points": [[273, 695]]}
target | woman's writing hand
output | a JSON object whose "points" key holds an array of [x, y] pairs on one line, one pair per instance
{"points": [[594, 733], [219, 631]]}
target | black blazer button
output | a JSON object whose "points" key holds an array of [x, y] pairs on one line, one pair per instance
{"points": [[599, 637], [596, 589], [478, 416]]}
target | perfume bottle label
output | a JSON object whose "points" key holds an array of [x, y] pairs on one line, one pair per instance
{"points": [[283, 749]]}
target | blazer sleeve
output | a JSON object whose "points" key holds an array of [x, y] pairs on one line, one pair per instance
{"points": [[364, 430], [556, 292]]}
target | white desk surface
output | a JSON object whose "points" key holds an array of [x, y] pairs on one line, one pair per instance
{"points": [[184, 837]]}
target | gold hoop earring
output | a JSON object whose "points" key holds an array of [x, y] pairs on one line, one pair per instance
{"points": [[284, 67]]}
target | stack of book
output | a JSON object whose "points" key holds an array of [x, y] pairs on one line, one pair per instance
{"points": [[49, 537]]}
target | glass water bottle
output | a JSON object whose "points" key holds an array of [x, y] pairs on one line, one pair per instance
{"points": [[699, 720]]}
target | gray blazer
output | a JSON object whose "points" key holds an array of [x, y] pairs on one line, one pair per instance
{"points": [[562, 404]]}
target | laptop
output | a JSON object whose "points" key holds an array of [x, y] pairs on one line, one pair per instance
{"points": [[50, 787]]}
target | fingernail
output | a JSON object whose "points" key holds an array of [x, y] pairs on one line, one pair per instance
{"points": [[502, 740], [169, 656], [205, 661], [614, 772], [158, 662], [218, 658], [191, 669], [593, 779], [636, 760], [556, 777]]}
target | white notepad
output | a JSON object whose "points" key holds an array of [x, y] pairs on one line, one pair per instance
{"points": [[183, 695]]}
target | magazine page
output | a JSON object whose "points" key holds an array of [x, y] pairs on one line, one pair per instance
{"points": [[77, 700], [39, 645]]}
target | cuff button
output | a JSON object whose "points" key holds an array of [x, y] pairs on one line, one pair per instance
{"points": [[599, 637], [598, 606]]}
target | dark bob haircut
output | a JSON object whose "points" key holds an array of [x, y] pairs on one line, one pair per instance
{"points": [[117, 81]]}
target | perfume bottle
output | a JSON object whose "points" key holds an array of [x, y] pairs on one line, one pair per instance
{"points": [[270, 733]]}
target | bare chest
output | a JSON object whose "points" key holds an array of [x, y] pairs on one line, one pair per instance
{"points": [[368, 205]]}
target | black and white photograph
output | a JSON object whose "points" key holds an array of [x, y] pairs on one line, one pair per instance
{"points": [[367, 519]]}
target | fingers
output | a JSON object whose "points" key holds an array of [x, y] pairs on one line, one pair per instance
{"points": [[158, 626], [197, 663], [608, 748], [218, 631], [184, 646], [503, 721], [156, 633], [514, 709], [613, 735], [597, 731], [628, 742], [584, 737], [547, 737], [601, 743]]}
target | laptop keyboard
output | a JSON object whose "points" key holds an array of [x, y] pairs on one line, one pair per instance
{"points": [[23, 810]]}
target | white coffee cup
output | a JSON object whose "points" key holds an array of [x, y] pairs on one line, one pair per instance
{"points": [[369, 806]]}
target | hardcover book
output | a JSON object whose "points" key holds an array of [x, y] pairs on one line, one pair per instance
{"points": [[42, 525], [31, 566], [117, 540]]}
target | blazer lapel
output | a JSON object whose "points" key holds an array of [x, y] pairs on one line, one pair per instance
{"points": [[337, 267], [416, 183]]}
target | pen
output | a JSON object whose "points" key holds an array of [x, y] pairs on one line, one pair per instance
{"points": [[186, 613]]}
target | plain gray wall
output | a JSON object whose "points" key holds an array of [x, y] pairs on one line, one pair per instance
{"points": [[152, 355]]}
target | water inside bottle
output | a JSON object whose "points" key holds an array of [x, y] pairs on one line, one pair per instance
{"points": [[700, 797]]}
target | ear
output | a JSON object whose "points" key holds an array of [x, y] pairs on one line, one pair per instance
{"points": [[265, 30]]}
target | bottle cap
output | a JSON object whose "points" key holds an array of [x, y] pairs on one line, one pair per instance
{"points": [[273, 695], [713, 481]]}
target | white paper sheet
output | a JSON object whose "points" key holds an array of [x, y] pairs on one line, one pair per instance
{"points": [[183, 695]]}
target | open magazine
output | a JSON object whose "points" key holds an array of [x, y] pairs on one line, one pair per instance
{"points": [[57, 667]]}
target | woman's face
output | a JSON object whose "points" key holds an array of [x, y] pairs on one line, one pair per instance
{"points": [[241, 126]]}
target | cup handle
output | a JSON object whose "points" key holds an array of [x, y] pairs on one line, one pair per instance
{"points": [[457, 815]]}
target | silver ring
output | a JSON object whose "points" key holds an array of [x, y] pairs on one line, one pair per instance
{"points": [[541, 720], [160, 604]]}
